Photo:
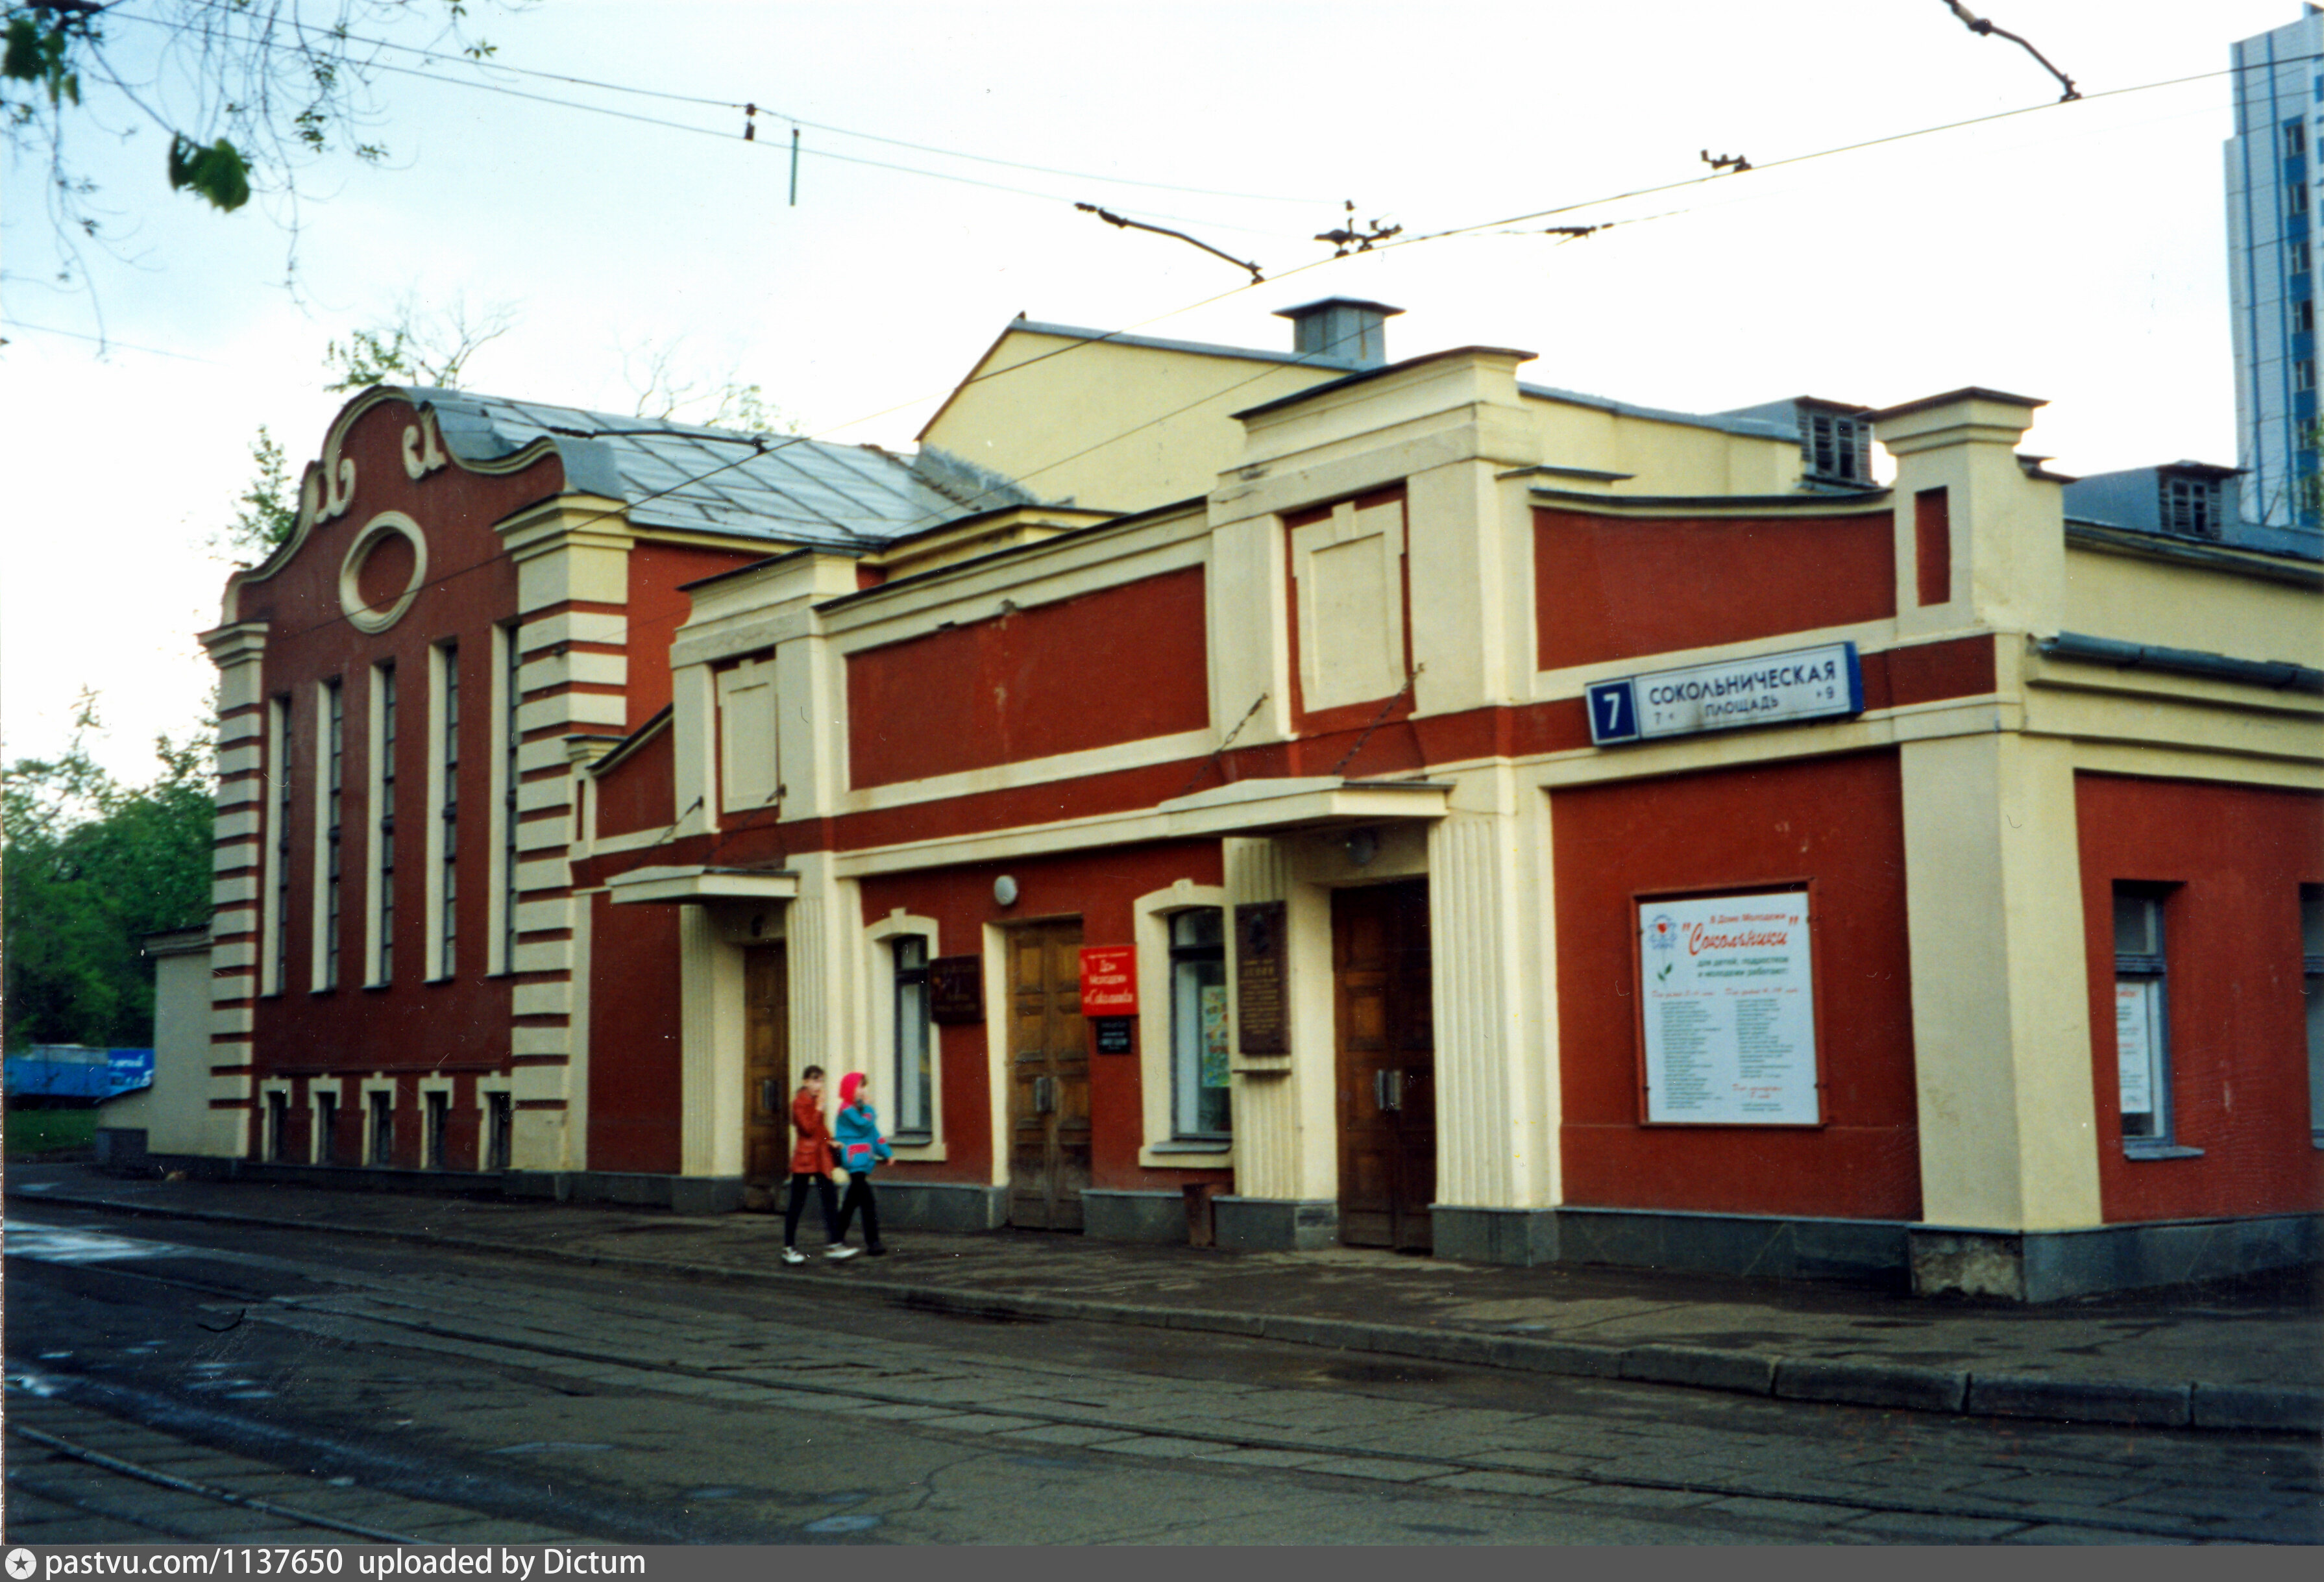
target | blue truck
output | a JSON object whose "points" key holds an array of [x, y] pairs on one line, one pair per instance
{"points": [[60, 1076]]}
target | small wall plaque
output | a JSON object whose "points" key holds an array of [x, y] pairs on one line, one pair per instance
{"points": [[1262, 1016], [956, 989]]}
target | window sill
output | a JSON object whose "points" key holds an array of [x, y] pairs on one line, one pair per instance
{"points": [[2159, 1151], [1182, 1153]]}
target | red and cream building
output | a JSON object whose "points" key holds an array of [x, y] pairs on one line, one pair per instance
{"points": [[1390, 802]]}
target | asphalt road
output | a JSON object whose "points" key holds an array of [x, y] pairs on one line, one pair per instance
{"points": [[321, 1380]]}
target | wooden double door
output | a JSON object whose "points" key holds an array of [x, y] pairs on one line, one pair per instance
{"points": [[1385, 1034], [1048, 1077], [766, 1074]]}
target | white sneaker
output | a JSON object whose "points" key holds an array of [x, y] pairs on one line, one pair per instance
{"points": [[838, 1252], [793, 1255]]}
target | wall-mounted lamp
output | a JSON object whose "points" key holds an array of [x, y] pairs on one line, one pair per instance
{"points": [[1363, 846], [1004, 890]]}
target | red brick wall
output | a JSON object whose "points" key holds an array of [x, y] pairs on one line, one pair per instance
{"points": [[635, 1080], [1611, 588], [1837, 824], [1121, 664], [2235, 857], [1098, 887]]}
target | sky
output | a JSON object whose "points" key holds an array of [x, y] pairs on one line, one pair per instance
{"points": [[2071, 251]]}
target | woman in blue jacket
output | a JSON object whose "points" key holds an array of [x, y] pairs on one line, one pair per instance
{"points": [[861, 1150]]}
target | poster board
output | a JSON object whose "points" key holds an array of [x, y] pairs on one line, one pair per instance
{"points": [[1727, 999]]}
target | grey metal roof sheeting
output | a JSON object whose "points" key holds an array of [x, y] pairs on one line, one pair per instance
{"points": [[672, 474]]}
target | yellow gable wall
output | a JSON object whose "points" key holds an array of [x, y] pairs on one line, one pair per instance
{"points": [[1159, 420]]}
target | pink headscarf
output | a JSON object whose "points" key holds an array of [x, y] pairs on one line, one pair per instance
{"points": [[847, 1087]]}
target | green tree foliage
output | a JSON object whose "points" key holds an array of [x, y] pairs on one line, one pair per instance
{"points": [[92, 865], [246, 93]]}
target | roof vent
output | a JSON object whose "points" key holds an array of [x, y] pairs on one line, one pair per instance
{"points": [[1341, 329]]}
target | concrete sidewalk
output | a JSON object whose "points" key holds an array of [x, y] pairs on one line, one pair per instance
{"points": [[2249, 1357]]}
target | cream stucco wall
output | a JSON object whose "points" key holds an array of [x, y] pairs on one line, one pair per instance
{"points": [[1108, 425], [2170, 603]]}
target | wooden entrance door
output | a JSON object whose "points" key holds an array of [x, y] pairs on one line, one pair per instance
{"points": [[766, 1073], [1386, 1065], [1048, 1077]]}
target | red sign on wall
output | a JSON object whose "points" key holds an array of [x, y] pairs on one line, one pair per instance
{"points": [[1109, 980]]}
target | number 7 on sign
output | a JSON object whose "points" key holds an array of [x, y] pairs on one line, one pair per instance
{"points": [[1613, 712]]}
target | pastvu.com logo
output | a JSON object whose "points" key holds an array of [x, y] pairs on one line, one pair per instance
{"points": [[21, 1564]]}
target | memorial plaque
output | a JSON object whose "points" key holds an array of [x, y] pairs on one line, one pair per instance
{"points": [[1112, 1034], [956, 989], [1262, 1015]]}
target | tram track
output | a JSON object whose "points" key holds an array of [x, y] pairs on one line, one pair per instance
{"points": [[360, 1310], [58, 1444]]}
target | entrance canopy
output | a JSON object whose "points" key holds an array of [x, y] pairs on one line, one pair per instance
{"points": [[1279, 807], [668, 886]]}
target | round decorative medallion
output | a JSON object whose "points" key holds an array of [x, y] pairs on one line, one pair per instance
{"points": [[384, 571]]}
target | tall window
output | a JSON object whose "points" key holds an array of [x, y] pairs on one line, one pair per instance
{"points": [[2312, 985], [2295, 139], [1198, 1024], [2300, 258], [382, 876], [2295, 197], [334, 733], [2303, 315], [379, 1143], [278, 1126], [915, 1055], [326, 1128], [438, 1126], [511, 738], [500, 1126], [2141, 1016], [278, 954], [448, 883]]}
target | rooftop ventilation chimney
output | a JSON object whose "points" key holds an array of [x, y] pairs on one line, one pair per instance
{"points": [[1342, 329]]}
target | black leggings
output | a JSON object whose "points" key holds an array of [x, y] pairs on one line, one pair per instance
{"points": [[831, 1231], [859, 1196]]}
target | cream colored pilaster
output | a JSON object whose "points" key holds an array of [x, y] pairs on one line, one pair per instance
{"points": [[694, 749], [226, 1044], [1247, 615], [823, 934], [710, 1051], [1496, 1065], [1286, 1131], [2001, 1024], [2006, 528]]}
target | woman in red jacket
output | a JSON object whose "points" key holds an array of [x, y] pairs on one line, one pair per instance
{"points": [[811, 1164]]}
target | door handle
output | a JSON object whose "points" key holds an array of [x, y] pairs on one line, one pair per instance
{"points": [[766, 1096], [1388, 1089]]}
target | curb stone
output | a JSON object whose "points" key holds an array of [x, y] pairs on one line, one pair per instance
{"points": [[1745, 1372], [1871, 1384], [2160, 1406], [2247, 1406], [2293, 1408]]}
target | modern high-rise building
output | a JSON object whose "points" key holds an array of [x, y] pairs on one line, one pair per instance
{"points": [[2272, 188]]}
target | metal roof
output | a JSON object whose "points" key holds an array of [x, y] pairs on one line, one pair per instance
{"points": [[774, 487]]}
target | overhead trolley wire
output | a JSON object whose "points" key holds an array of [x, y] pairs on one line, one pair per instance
{"points": [[738, 107], [1446, 234]]}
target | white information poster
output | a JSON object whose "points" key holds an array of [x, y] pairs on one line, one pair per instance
{"points": [[1730, 1010], [2134, 1045]]}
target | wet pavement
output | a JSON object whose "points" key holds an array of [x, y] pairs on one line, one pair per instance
{"points": [[2248, 1354]]}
